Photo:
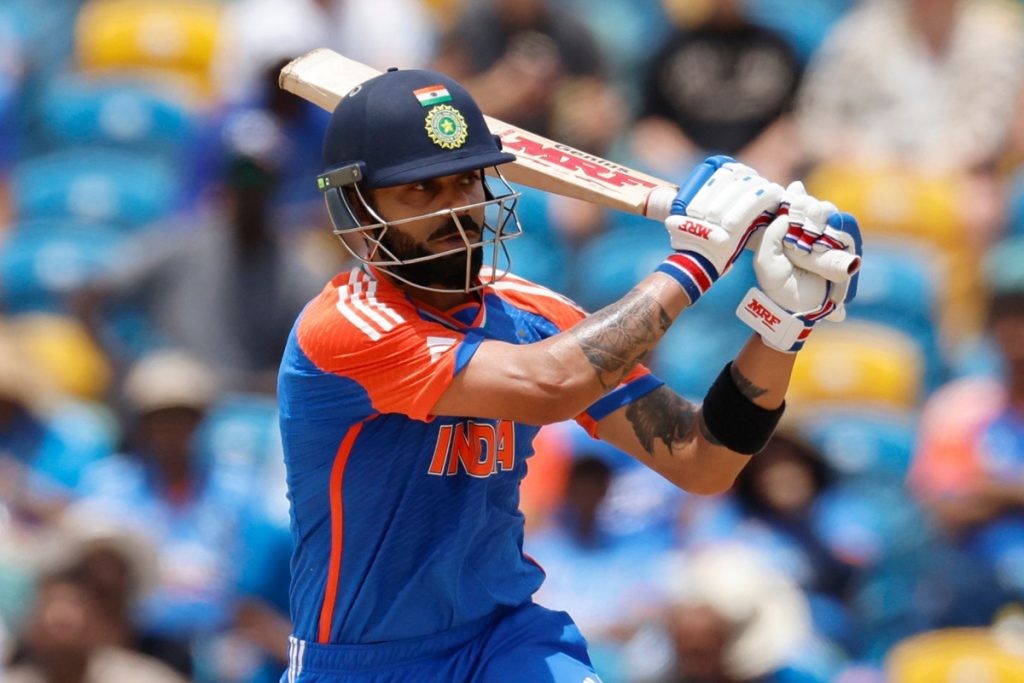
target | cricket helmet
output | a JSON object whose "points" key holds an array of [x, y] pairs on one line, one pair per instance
{"points": [[407, 126]]}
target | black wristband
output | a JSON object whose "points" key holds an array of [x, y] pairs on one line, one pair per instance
{"points": [[734, 420]]}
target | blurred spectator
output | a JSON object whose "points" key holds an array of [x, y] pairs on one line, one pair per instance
{"points": [[42, 452], [163, 488], [66, 639], [609, 577], [258, 33], [724, 86], [969, 466], [227, 290], [118, 564], [530, 63], [732, 619], [939, 96], [773, 508]]}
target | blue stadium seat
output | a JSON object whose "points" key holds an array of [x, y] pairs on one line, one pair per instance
{"points": [[863, 443], [112, 186], [694, 350], [115, 112], [241, 432], [43, 261], [898, 288], [240, 442]]}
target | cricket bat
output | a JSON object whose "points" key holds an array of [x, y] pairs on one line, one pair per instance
{"points": [[323, 77]]}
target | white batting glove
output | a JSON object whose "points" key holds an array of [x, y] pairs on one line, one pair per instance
{"points": [[791, 299], [717, 210]]}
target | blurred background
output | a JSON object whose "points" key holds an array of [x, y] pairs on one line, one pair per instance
{"points": [[160, 230]]}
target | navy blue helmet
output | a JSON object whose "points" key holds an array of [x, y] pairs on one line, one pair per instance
{"points": [[407, 126]]}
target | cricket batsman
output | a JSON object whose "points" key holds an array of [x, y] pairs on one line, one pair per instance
{"points": [[413, 385]]}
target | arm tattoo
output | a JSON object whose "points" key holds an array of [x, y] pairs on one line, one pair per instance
{"points": [[615, 338], [661, 415], [746, 387]]}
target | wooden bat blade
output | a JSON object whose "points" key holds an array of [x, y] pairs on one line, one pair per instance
{"points": [[323, 77]]}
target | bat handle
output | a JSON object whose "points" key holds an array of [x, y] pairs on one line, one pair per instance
{"points": [[659, 202], [833, 265]]}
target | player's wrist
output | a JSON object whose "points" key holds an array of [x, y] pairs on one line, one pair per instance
{"points": [[779, 328], [693, 272], [734, 420]]}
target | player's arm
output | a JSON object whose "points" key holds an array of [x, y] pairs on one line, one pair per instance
{"points": [[671, 435], [558, 378], [717, 211]]}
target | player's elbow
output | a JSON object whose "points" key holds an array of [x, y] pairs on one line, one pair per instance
{"points": [[708, 484]]}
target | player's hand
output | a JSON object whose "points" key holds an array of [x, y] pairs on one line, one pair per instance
{"points": [[791, 299], [717, 210]]}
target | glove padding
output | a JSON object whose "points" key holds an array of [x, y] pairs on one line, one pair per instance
{"points": [[718, 209], [790, 299]]}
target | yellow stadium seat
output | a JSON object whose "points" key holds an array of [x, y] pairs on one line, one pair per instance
{"points": [[61, 349], [956, 656], [860, 363], [176, 40], [895, 204]]}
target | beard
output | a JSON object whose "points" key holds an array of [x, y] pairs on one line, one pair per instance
{"points": [[445, 272]]}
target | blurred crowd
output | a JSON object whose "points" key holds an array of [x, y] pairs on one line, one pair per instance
{"points": [[160, 230]]}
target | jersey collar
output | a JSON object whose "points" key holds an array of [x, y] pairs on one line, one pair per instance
{"points": [[464, 316]]}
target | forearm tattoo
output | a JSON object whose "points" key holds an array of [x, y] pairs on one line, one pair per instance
{"points": [[661, 415], [615, 338], [746, 387]]}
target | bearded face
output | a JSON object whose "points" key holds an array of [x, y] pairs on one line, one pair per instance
{"points": [[457, 270]]}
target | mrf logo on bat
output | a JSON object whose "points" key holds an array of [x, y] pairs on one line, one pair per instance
{"points": [[569, 159]]}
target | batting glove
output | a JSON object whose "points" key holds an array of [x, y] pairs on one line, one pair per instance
{"points": [[719, 207], [791, 299]]}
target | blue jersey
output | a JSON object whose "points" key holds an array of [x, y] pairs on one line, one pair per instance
{"points": [[407, 524]]}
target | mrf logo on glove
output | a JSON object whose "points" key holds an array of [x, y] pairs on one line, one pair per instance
{"points": [[718, 209], [694, 228], [759, 310]]}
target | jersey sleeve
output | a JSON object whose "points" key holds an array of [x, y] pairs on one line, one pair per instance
{"points": [[401, 363], [564, 313]]}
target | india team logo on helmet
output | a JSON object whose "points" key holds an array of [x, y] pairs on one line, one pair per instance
{"points": [[446, 127]]}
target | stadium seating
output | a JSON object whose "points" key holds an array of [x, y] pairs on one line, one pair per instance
{"points": [[860, 364], [957, 654], [113, 186], [166, 41], [869, 444], [76, 110], [914, 209], [62, 349], [43, 261], [898, 287]]}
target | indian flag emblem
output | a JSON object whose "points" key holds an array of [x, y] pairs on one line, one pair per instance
{"points": [[435, 94], [446, 127]]}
